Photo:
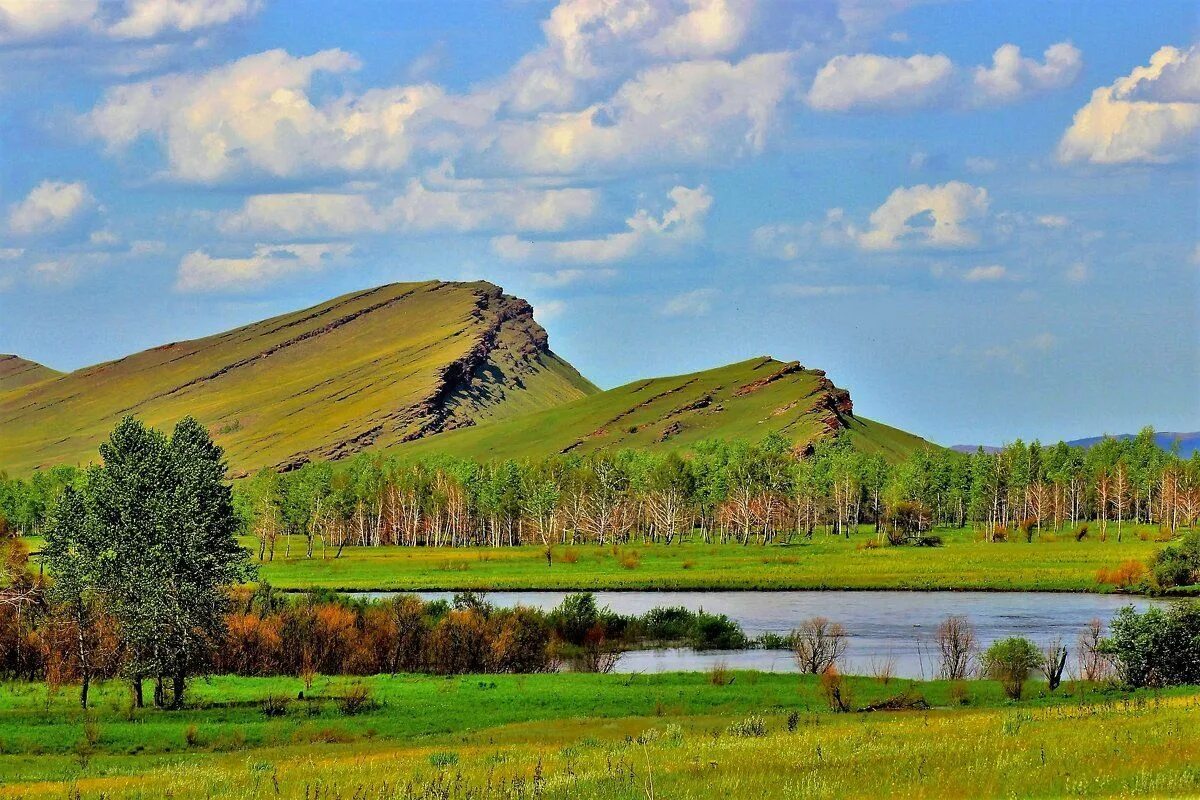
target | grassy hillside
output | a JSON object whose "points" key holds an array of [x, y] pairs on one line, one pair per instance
{"points": [[746, 400], [17, 372], [375, 367]]}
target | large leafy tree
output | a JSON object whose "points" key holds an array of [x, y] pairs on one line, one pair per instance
{"points": [[157, 539]]}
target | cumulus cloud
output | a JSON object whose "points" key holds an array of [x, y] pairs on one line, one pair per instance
{"points": [[1150, 116], [556, 279], [1012, 77], [936, 216], [676, 113], [50, 206], [815, 290], [872, 82], [201, 272], [416, 209], [683, 222], [255, 115], [24, 21], [695, 303]]}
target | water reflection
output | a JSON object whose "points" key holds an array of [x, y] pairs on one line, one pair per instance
{"points": [[883, 626]]}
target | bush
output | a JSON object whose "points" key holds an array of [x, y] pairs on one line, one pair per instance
{"points": [[818, 644], [1011, 661], [1156, 648], [1178, 564], [715, 632], [752, 726], [356, 700], [274, 705], [835, 689], [1081, 533], [1125, 575]]}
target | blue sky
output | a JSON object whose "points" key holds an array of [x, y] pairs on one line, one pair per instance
{"points": [[981, 218]]}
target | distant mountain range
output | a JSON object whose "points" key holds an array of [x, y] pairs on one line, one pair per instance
{"points": [[1188, 442], [431, 367]]}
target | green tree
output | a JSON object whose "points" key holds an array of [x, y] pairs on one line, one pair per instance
{"points": [[167, 527]]}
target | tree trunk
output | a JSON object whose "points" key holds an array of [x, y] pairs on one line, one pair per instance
{"points": [[179, 683], [138, 700]]}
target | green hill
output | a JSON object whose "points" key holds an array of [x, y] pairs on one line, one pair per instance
{"points": [[373, 368], [420, 368], [746, 400], [17, 373]]}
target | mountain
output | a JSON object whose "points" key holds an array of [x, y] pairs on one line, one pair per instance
{"points": [[431, 367], [746, 400], [369, 369], [17, 372], [1188, 442]]}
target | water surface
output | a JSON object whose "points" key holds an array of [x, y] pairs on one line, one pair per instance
{"points": [[895, 626]]}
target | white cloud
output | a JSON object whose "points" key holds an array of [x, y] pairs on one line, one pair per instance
{"points": [[23, 21], [683, 222], [991, 272], [1150, 116], [200, 272], [1078, 272], [146, 19], [1011, 77], [695, 303], [980, 165], [549, 309], [1053, 221], [787, 241], [872, 82], [559, 278], [11, 253], [49, 206], [943, 213], [255, 115], [417, 209], [676, 113]]}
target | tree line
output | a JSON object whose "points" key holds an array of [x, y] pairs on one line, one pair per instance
{"points": [[720, 491]]}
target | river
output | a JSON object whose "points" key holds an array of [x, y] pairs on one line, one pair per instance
{"points": [[882, 626]]}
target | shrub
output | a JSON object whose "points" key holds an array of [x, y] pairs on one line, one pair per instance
{"points": [[1011, 661], [443, 760], [191, 736], [1081, 533], [719, 674], [356, 700], [835, 689], [274, 705], [956, 648], [818, 644], [569, 556], [1124, 575], [1178, 564], [1027, 528], [715, 632], [1156, 648], [752, 726]]}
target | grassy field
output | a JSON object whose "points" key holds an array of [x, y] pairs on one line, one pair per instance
{"points": [[828, 562], [598, 736]]}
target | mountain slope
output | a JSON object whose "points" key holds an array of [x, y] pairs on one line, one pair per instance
{"points": [[17, 372], [372, 368], [746, 400]]}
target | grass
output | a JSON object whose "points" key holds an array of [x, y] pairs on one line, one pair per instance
{"points": [[599, 736], [828, 562]]}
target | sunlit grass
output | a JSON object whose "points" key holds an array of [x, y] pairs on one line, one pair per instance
{"points": [[686, 746], [826, 562]]}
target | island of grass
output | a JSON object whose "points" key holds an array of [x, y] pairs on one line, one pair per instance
{"points": [[963, 562]]}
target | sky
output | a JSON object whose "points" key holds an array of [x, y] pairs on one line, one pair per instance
{"points": [[981, 218]]}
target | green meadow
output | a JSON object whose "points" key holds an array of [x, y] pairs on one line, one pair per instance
{"points": [[572, 735], [964, 562]]}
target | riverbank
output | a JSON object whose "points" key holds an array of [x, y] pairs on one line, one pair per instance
{"points": [[964, 562], [593, 736]]}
